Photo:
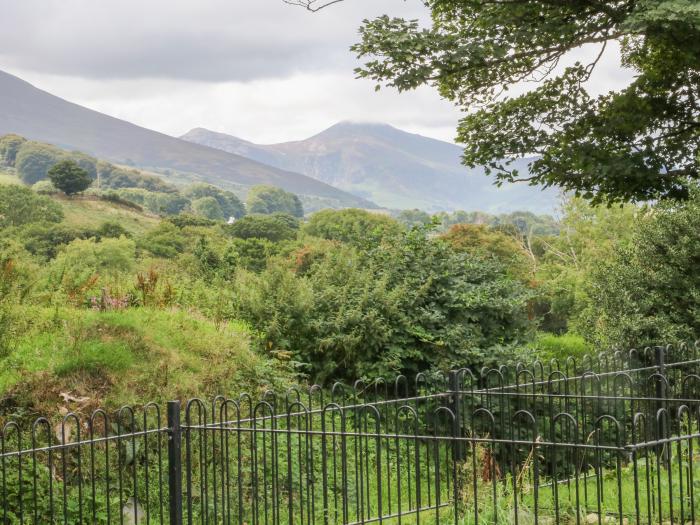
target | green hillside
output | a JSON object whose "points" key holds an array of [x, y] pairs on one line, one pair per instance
{"points": [[40, 116], [66, 340]]}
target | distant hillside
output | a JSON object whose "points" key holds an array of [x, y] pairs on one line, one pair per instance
{"points": [[391, 167], [38, 115]]}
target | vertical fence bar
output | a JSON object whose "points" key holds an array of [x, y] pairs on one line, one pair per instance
{"points": [[455, 386], [174, 463]]}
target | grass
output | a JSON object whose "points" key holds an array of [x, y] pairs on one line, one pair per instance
{"points": [[91, 212], [7, 176], [125, 357]]}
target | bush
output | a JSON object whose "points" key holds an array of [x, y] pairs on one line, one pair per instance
{"points": [[185, 219], [81, 264], [115, 198], [161, 203], [111, 230], [165, 241], [271, 228], [45, 187], [551, 346], [209, 208], [354, 226], [410, 304], [44, 240], [20, 205], [113, 177]]}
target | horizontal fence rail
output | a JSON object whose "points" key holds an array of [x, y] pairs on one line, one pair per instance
{"points": [[606, 439]]}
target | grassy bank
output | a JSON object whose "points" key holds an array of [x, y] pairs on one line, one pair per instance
{"points": [[120, 357]]}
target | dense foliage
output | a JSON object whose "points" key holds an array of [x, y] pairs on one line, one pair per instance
{"points": [[269, 199], [636, 143], [69, 177], [649, 289], [340, 294]]}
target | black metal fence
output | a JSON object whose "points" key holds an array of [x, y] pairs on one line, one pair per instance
{"points": [[610, 439]]}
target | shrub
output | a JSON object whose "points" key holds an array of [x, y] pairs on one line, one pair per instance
{"points": [[354, 226], [111, 230], [166, 241], [113, 177], [20, 205], [44, 240], [45, 187], [82, 263], [209, 208], [271, 228], [115, 198], [410, 304], [551, 346], [185, 219]]}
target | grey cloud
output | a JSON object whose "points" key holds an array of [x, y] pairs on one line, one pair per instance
{"points": [[203, 40]]}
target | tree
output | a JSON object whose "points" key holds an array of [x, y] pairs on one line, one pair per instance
{"points": [[88, 163], [9, 146], [268, 199], [648, 291], [485, 241], [209, 208], [69, 177], [34, 161], [271, 228], [409, 304], [411, 218], [588, 236], [231, 206], [354, 226], [638, 143]]}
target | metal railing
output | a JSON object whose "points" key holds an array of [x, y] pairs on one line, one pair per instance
{"points": [[610, 439]]}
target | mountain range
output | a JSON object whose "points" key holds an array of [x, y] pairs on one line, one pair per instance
{"points": [[38, 115], [389, 166], [348, 165]]}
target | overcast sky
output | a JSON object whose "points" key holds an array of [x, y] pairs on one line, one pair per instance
{"points": [[258, 69]]}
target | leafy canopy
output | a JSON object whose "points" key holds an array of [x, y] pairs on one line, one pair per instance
{"points": [[273, 228], [19, 205], [268, 199], [637, 143], [648, 291], [34, 160], [9, 146], [354, 226], [230, 205], [69, 177]]}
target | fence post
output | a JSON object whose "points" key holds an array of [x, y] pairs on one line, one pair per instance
{"points": [[456, 389], [174, 463], [660, 361]]}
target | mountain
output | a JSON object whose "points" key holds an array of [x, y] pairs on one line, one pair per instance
{"points": [[40, 116], [391, 167]]}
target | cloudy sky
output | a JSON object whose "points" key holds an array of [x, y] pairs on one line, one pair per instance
{"points": [[258, 69]]}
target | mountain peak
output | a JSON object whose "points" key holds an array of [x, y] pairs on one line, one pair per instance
{"points": [[38, 115], [394, 168]]}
